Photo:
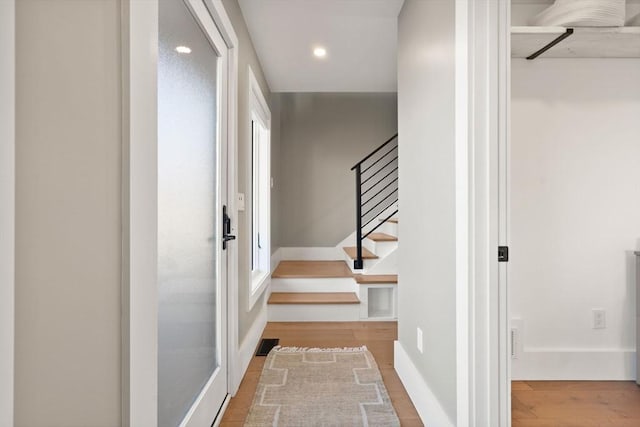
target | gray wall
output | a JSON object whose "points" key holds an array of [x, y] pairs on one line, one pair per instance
{"points": [[322, 135], [246, 57], [426, 269], [67, 370], [276, 162]]}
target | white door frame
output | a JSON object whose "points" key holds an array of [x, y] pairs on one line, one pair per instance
{"points": [[7, 213], [486, 56], [139, 188]]}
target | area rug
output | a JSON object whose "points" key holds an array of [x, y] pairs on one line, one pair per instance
{"points": [[321, 387]]}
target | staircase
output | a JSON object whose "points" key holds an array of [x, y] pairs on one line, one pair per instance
{"points": [[362, 285]]}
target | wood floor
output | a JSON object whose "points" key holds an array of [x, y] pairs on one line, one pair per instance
{"points": [[377, 336], [575, 403], [534, 403]]}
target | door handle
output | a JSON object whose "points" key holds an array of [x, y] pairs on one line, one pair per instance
{"points": [[226, 228]]}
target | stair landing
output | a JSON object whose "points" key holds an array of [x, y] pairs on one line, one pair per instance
{"points": [[312, 269]]}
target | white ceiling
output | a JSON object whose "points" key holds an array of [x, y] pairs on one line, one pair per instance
{"points": [[359, 35]]}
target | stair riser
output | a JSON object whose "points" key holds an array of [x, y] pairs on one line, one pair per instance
{"points": [[346, 284], [379, 248], [313, 312], [368, 263], [389, 228]]}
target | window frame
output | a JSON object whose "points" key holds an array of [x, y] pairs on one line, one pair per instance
{"points": [[260, 276]]}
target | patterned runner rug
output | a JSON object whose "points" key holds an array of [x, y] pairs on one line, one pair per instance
{"points": [[321, 387]]}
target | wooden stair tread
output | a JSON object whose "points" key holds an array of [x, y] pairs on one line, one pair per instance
{"points": [[352, 251], [314, 298], [372, 279], [312, 269], [393, 220], [382, 237]]}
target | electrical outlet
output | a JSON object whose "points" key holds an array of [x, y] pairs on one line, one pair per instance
{"points": [[419, 341], [599, 318]]}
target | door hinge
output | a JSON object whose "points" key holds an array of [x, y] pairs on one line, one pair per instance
{"points": [[503, 253]]}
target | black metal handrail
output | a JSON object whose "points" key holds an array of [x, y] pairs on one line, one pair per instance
{"points": [[381, 176], [375, 151]]}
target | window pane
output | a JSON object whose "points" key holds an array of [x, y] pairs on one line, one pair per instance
{"points": [[187, 240]]}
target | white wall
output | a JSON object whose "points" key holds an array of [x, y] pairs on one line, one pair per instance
{"points": [[575, 215], [7, 213], [427, 258], [68, 214]]}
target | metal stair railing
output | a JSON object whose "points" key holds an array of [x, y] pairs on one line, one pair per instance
{"points": [[376, 191]]}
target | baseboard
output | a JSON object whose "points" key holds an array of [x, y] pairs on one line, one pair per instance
{"points": [[250, 342], [429, 408], [218, 421], [312, 254], [276, 257], [585, 365]]}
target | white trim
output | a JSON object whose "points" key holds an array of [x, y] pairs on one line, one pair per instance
{"points": [[257, 99], [250, 342], [499, 201], [258, 285], [276, 257], [425, 401], [312, 254], [259, 107], [313, 312], [139, 200], [576, 364], [7, 213], [220, 415], [485, 94], [220, 17], [464, 381]]}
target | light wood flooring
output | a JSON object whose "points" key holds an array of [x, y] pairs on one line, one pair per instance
{"points": [[377, 336], [534, 403], [575, 404], [312, 269]]}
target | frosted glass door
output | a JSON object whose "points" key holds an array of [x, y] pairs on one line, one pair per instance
{"points": [[189, 255]]}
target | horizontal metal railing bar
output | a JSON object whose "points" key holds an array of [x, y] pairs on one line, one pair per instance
{"points": [[379, 203], [373, 219], [375, 151], [381, 222], [379, 181], [381, 157], [383, 188], [379, 170]]}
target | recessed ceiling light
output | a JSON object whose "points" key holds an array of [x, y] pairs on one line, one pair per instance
{"points": [[183, 49], [320, 52]]}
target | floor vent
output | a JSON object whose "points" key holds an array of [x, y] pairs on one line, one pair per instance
{"points": [[266, 345]]}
